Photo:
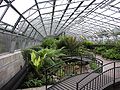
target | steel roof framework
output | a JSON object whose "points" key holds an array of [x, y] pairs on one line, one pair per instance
{"points": [[52, 17]]}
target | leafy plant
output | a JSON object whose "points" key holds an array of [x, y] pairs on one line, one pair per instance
{"points": [[26, 55], [32, 83], [88, 44], [99, 50], [44, 58], [109, 51], [70, 44], [36, 60], [49, 42], [93, 65], [111, 54]]}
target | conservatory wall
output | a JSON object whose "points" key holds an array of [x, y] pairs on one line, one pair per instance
{"points": [[10, 64]]}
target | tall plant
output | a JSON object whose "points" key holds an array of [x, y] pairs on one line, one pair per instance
{"points": [[49, 42], [36, 60], [69, 43], [44, 58]]}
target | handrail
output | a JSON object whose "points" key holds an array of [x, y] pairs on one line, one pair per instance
{"points": [[66, 61], [50, 72], [96, 77], [77, 84], [58, 64], [97, 59]]}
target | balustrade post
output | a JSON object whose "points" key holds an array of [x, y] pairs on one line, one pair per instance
{"points": [[76, 86], [46, 79], [114, 75]]}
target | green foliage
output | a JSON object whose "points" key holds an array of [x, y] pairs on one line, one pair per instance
{"points": [[61, 42], [51, 52], [70, 44], [109, 51], [88, 44], [111, 54], [48, 54], [26, 55], [36, 48], [36, 60], [49, 43], [44, 58], [60, 73], [32, 83], [93, 65], [118, 45], [100, 50]]}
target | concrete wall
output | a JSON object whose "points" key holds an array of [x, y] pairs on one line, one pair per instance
{"points": [[10, 64]]}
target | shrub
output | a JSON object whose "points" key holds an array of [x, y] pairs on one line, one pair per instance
{"points": [[93, 65], [49, 42], [32, 83], [100, 50], [88, 44]]}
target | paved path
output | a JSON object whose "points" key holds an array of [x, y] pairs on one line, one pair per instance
{"points": [[105, 61]]}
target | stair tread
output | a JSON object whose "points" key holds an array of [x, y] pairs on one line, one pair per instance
{"points": [[70, 84]]}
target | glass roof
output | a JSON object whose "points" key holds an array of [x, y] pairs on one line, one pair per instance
{"points": [[40, 18]]}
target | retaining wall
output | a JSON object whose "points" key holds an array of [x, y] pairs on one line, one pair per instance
{"points": [[10, 64]]}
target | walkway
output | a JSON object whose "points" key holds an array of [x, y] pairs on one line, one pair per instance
{"points": [[105, 61], [70, 84]]}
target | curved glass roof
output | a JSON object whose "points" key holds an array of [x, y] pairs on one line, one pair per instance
{"points": [[37, 19]]}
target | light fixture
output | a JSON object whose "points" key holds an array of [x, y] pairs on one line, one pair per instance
{"points": [[108, 3]]}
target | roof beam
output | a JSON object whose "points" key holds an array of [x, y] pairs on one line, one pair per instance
{"points": [[63, 15], [52, 15], [71, 15], [40, 16], [22, 16]]}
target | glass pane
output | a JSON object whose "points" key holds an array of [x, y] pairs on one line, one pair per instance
{"points": [[10, 17], [23, 5]]}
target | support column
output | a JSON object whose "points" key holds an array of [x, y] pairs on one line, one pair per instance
{"points": [[23, 43], [13, 44]]}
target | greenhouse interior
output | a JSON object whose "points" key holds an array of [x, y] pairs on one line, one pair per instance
{"points": [[59, 44]]}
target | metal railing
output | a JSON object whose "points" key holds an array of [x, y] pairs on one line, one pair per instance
{"points": [[63, 71], [103, 79]]}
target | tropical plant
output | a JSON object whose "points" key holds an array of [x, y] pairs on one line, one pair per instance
{"points": [[32, 83], [36, 60], [26, 55], [88, 44], [70, 44], [101, 49], [93, 65], [36, 48], [44, 58], [49, 42]]}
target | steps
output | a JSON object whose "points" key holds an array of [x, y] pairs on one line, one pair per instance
{"points": [[70, 84]]}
